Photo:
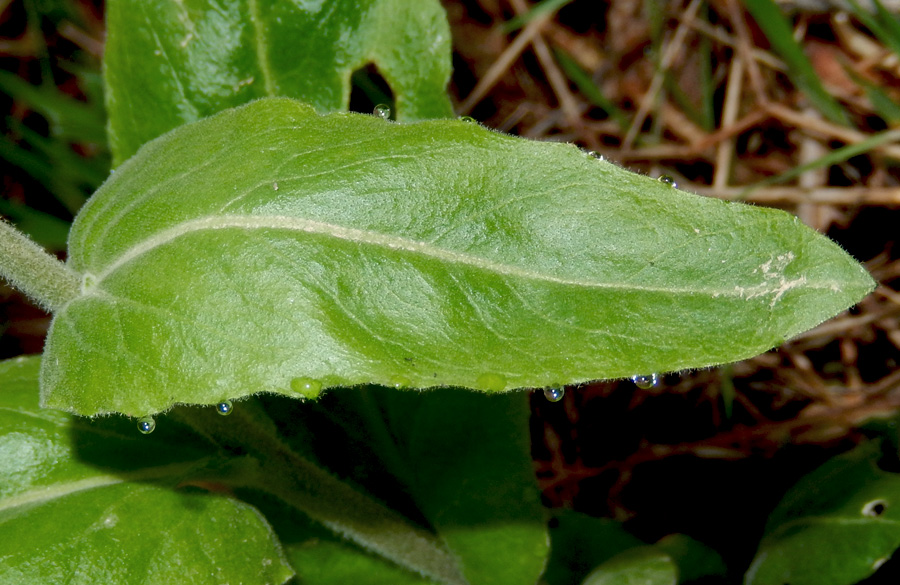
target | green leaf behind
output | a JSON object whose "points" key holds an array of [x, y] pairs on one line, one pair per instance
{"points": [[457, 461], [172, 63], [836, 526], [64, 520], [644, 565], [580, 542], [600, 550], [474, 480], [269, 246]]}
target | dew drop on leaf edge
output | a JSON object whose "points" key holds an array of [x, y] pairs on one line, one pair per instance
{"points": [[554, 394], [146, 425], [491, 382], [308, 387], [399, 382], [382, 111], [224, 408], [468, 119], [667, 180], [645, 382]]}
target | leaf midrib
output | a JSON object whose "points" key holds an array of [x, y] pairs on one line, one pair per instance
{"points": [[39, 495], [424, 248]]}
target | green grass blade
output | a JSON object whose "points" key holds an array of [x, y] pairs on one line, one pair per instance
{"points": [[776, 28], [589, 89], [540, 9], [832, 158]]}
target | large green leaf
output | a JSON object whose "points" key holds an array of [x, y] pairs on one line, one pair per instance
{"points": [[64, 520], [169, 63], [835, 527], [644, 565], [269, 248], [327, 561], [580, 542], [599, 550], [473, 478]]}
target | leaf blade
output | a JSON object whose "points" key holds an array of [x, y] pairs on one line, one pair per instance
{"points": [[844, 511], [437, 252], [475, 483], [172, 64], [66, 519]]}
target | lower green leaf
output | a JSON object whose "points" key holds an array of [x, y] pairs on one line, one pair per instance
{"points": [[326, 561], [836, 526], [600, 551], [475, 482], [638, 566], [85, 503], [580, 543], [694, 559], [134, 533]]}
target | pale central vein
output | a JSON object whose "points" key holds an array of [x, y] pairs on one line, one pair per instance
{"points": [[388, 241]]}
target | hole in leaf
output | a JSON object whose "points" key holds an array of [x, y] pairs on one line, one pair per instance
{"points": [[874, 508], [368, 88]]}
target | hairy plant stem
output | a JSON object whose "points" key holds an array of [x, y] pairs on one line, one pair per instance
{"points": [[357, 517], [273, 467], [29, 268]]}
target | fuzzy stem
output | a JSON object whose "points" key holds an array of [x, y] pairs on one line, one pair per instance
{"points": [[273, 467], [29, 268]]}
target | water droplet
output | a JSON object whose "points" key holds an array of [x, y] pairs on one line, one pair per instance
{"points": [[491, 382], [667, 180], [400, 382], [468, 119], [645, 382], [308, 387], [225, 408], [146, 425], [275, 186], [382, 111], [596, 155], [554, 394]]}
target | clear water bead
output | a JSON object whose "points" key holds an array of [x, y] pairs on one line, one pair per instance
{"points": [[400, 382], [554, 394], [645, 382], [468, 119], [146, 425], [308, 387], [491, 382], [225, 408], [382, 111], [667, 180]]}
